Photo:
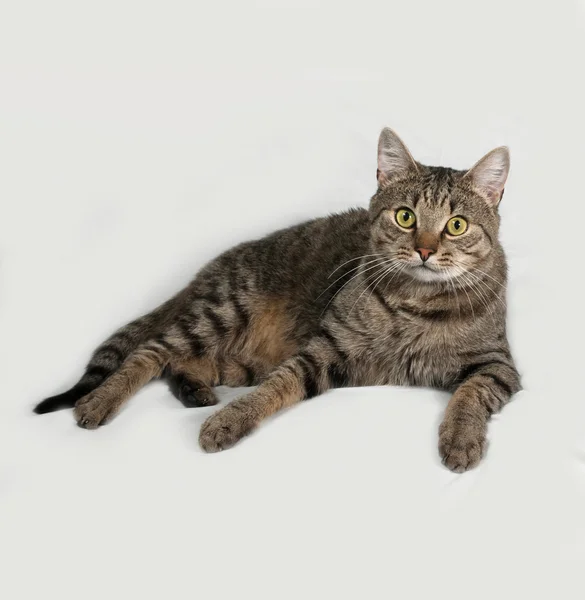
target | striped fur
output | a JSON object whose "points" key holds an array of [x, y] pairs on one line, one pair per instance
{"points": [[344, 300]]}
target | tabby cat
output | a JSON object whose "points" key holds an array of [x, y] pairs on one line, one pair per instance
{"points": [[411, 291]]}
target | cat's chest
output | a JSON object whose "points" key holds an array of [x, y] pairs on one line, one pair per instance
{"points": [[414, 351]]}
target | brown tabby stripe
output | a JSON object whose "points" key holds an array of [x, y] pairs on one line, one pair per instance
{"points": [[311, 371], [194, 341], [221, 329]]}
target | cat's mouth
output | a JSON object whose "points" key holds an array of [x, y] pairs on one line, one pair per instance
{"points": [[428, 273]]}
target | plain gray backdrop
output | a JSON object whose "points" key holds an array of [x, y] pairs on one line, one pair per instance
{"points": [[140, 139]]}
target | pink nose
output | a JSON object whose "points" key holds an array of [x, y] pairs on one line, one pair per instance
{"points": [[425, 253]]}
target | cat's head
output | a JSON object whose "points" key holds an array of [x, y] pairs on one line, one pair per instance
{"points": [[436, 223]]}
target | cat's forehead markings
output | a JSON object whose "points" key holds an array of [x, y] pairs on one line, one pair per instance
{"points": [[437, 189]]}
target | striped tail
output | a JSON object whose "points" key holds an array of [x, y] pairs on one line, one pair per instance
{"points": [[109, 356]]}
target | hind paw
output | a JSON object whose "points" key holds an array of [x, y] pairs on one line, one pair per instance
{"points": [[191, 395], [191, 392], [92, 411]]}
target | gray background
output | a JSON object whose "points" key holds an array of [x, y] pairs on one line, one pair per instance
{"points": [[138, 140]]}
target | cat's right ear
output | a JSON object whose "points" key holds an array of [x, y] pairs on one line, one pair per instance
{"points": [[394, 159]]}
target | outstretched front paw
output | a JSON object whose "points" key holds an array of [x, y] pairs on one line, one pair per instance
{"points": [[461, 445], [227, 426]]}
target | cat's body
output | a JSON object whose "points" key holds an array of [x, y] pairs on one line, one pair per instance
{"points": [[338, 301]]}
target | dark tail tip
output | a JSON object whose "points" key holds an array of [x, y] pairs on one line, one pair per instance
{"points": [[59, 402]]}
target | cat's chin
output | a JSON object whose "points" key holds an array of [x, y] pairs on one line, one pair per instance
{"points": [[428, 274]]}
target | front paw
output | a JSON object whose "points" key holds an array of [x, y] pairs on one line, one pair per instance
{"points": [[227, 426], [91, 411], [461, 446]]}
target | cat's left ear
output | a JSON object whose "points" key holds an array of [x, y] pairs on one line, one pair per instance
{"points": [[488, 175]]}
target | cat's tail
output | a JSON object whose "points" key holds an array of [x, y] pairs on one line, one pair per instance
{"points": [[110, 355]]}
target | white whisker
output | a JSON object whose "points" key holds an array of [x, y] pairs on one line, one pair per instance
{"points": [[347, 273], [396, 268], [351, 260], [379, 277], [478, 280], [391, 278], [480, 295], [452, 285], [487, 275], [360, 272]]}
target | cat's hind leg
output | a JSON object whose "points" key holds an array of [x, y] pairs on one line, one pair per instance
{"points": [[109, 356], [191, 392], [191, 381], [144, 364]]}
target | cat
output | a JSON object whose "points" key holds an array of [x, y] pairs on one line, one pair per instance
{"points": [[411, 291]]}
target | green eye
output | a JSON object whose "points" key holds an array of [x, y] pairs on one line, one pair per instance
{"points": [[456, 226], [405, 218]]}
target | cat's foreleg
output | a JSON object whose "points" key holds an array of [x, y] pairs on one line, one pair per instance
{"points": [[486, 387], [319, 367]]}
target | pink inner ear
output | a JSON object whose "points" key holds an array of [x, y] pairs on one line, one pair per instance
{"points": [[381, 178], [490, 173], [494, 195]]}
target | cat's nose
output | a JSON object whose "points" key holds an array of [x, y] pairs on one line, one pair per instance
{"points": [[425, 253]]}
